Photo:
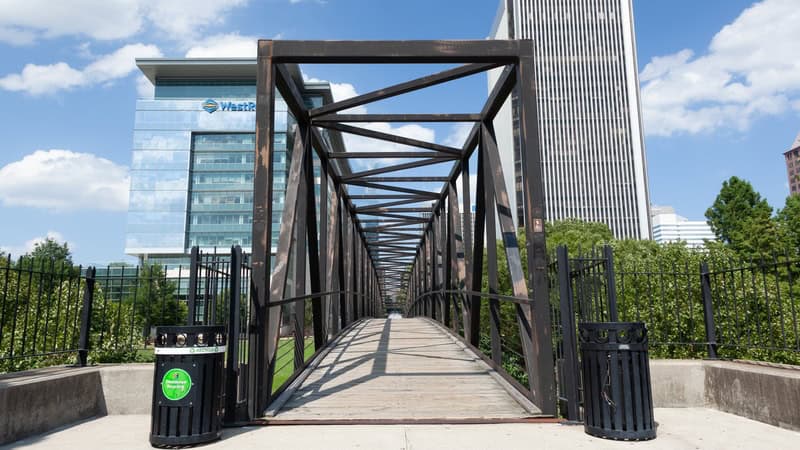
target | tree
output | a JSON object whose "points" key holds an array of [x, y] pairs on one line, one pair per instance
{"points": [[156, 301], [577, 234], [741, 218], [789, 222], [51, 250]]}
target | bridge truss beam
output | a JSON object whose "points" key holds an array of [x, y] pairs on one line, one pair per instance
{"points": [[360, 257]]}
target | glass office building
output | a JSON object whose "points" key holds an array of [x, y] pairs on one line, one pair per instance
{"points": [[193, 157]]}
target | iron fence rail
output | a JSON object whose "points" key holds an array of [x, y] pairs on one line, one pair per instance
{"points": [[52, 312], [720, 308], [704, 308]]}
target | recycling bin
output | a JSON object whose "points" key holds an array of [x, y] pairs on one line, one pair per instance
{"points": [[188, 385], [617, 394]]}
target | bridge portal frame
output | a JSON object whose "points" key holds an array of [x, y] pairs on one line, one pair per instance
{"points": [[446, 272]]}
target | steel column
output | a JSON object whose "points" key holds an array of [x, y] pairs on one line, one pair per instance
{"points": [[533, 192]]}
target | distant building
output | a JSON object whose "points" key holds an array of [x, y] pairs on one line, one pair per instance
{"points": [[793, 166], [670, 227], [194, 153], [592, 148]]}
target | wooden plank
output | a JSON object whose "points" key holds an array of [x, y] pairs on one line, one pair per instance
{"points": [[404, 369]]}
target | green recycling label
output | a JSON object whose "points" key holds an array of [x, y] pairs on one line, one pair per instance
{"points": [[176, 384]]}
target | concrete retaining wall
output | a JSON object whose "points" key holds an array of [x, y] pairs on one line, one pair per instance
{"points": [[37, 401], [677, 383], [766, 393]]}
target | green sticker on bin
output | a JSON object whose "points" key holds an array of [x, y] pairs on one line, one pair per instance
{"points": [[176, 384]]}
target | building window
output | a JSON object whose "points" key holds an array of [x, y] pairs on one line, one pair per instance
{"points": [[221, 189]]}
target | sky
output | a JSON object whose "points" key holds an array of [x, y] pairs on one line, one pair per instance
{"points": [[720, 85]]}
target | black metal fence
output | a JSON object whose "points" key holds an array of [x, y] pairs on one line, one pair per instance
{"points": [[57, 313], [701, 306], [718, 308]]}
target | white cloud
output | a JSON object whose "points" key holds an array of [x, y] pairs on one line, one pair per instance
{"points": [[25, 21], [231, 45], [98, 19], [30, 244], [62, 180], [46, 79], [751, 70], [186, 19]]}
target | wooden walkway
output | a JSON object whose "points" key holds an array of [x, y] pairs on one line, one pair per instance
{"points": [[401, 369]]}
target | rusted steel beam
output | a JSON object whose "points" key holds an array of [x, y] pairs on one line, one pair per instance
{"points": [[259, 379], [502, 88], [315, 280], [380, 206], [458, 266], [543, 383], [402, 88], [388, 197], [467, 245], [290, 93], [332, 259], [386, 187], [394, 168], [518, 281], [390, 138], [477, 251], [401, 52], [371, 118], [408, 179], [294, 201], [382, 155]]}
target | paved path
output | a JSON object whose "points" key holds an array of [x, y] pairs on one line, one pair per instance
{"points": [[679, 428], [401, 369]]}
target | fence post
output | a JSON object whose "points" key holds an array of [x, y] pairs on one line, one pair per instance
{"points": [[86, 317], [234, 326], [708, 311], [193, 275], [611, 284], [568, 340]]}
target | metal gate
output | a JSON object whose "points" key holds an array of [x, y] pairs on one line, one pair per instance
{"points": [[582, 290]]}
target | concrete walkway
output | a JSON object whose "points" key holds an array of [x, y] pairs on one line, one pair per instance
{"points": [[679, 428], [402, 369]]}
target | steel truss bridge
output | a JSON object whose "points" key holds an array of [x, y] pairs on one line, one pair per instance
{"points": [[340, 264]]}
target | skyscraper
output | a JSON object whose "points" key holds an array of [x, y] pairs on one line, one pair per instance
{"points": [[593, 156], [793, 166]]}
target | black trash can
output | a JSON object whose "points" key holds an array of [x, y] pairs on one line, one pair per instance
{"points": [[188, 385], [617, 396]]}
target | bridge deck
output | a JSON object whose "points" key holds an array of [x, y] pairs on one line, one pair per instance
{"points": [[402, 369]]}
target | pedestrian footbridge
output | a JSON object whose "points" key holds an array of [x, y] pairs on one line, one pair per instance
{"points": [[402, 370]]}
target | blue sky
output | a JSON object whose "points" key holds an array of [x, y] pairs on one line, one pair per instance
{"points": [[720, 91]]}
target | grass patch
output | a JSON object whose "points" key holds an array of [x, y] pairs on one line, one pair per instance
{"points": [[284, 361]]}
